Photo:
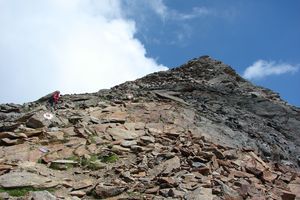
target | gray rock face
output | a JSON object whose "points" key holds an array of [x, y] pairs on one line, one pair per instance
{"points": [[229, 108], [22, 179], [42, 195], [44, 119]]}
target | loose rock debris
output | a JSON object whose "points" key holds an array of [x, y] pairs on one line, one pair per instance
{"points": [[149, 146]]}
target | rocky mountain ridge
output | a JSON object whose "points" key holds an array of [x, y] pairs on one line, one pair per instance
{"points": [[199, 131]]}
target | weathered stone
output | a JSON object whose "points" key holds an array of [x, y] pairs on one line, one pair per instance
{"points": [[104, 191], [152, 190], [200, 194], [117, 117], [228, 192], [69, 131], [17, 152], [42, 195], [286, 195], [176, 193], [4, 195], [64, 162], [82, 184], [56, 135], [78, 193], [119, 150], [230, 154], [269, 176], [241, 174], [81, 150], [155, 128], [8, 141], [165, 167], [295, 189], [134, 126], [148, 139], [202, 170], [128, 143], [23, 179], [165, 192], [118, 134], [12, 135], [40, 120], [167, 182]]}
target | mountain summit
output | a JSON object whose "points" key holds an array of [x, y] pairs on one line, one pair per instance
{"points": [[199, 131], [235, 111]]}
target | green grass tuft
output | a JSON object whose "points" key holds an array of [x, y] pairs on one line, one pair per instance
{"points": [[112, 158], [19, 192]]}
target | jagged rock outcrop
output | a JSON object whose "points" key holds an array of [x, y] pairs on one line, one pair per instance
{"points": [[229, 108], [199, 131]]}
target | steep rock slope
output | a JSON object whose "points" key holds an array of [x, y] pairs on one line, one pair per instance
{"points": [[199, 131], [229, 108]]}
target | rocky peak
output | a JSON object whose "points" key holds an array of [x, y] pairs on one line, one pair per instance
{"points": [[203, 73]]}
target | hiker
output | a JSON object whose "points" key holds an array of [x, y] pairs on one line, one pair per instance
{"points": [[53, 100]]}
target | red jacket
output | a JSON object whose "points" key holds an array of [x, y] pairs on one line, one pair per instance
{"points": [[56, 97]]}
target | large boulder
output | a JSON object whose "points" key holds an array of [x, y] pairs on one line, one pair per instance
{"points": [[45, 119]]}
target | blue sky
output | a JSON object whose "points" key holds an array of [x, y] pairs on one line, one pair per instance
{"points": [[85, 45]]}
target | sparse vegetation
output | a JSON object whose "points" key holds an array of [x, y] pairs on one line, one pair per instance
{"points": [[19, 192], [111, 158]]}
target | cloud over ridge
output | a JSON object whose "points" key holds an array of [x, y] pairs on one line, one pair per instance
{"points": [[73, 45], [262, 68]]}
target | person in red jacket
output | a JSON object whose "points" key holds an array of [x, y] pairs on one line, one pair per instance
{"points": [[54, 98]]}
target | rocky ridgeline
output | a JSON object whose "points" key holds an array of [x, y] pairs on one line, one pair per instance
{"points": [[199, 131]]}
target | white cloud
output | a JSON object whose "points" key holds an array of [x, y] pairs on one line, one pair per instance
{"points": [[159, 8], [71, 45], [262, 68], [165, 12]]}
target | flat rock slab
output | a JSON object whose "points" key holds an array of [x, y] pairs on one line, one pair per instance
{"points": [[165, 167], [23, 179], [42, 195], [104, 191], [200, 194], [118, 134]]}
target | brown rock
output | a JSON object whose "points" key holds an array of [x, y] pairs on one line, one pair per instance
{"points": [[167, 181], [202, 170], [18, 152], [200, 194], [155, 128], [269, 176], [148, 139], [286, 195], [119, 133], [240, 174], [218, 153], [81, 150], [42, 195], [58, 135], [69, 131], [119, 150], [176, 193], [287, 177], [152, 190], [8, 141], [82, 184], [104, 191], [117, 117], [165, 167], [295, 188], [22, 179], [128, 143], [78, 193]]}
